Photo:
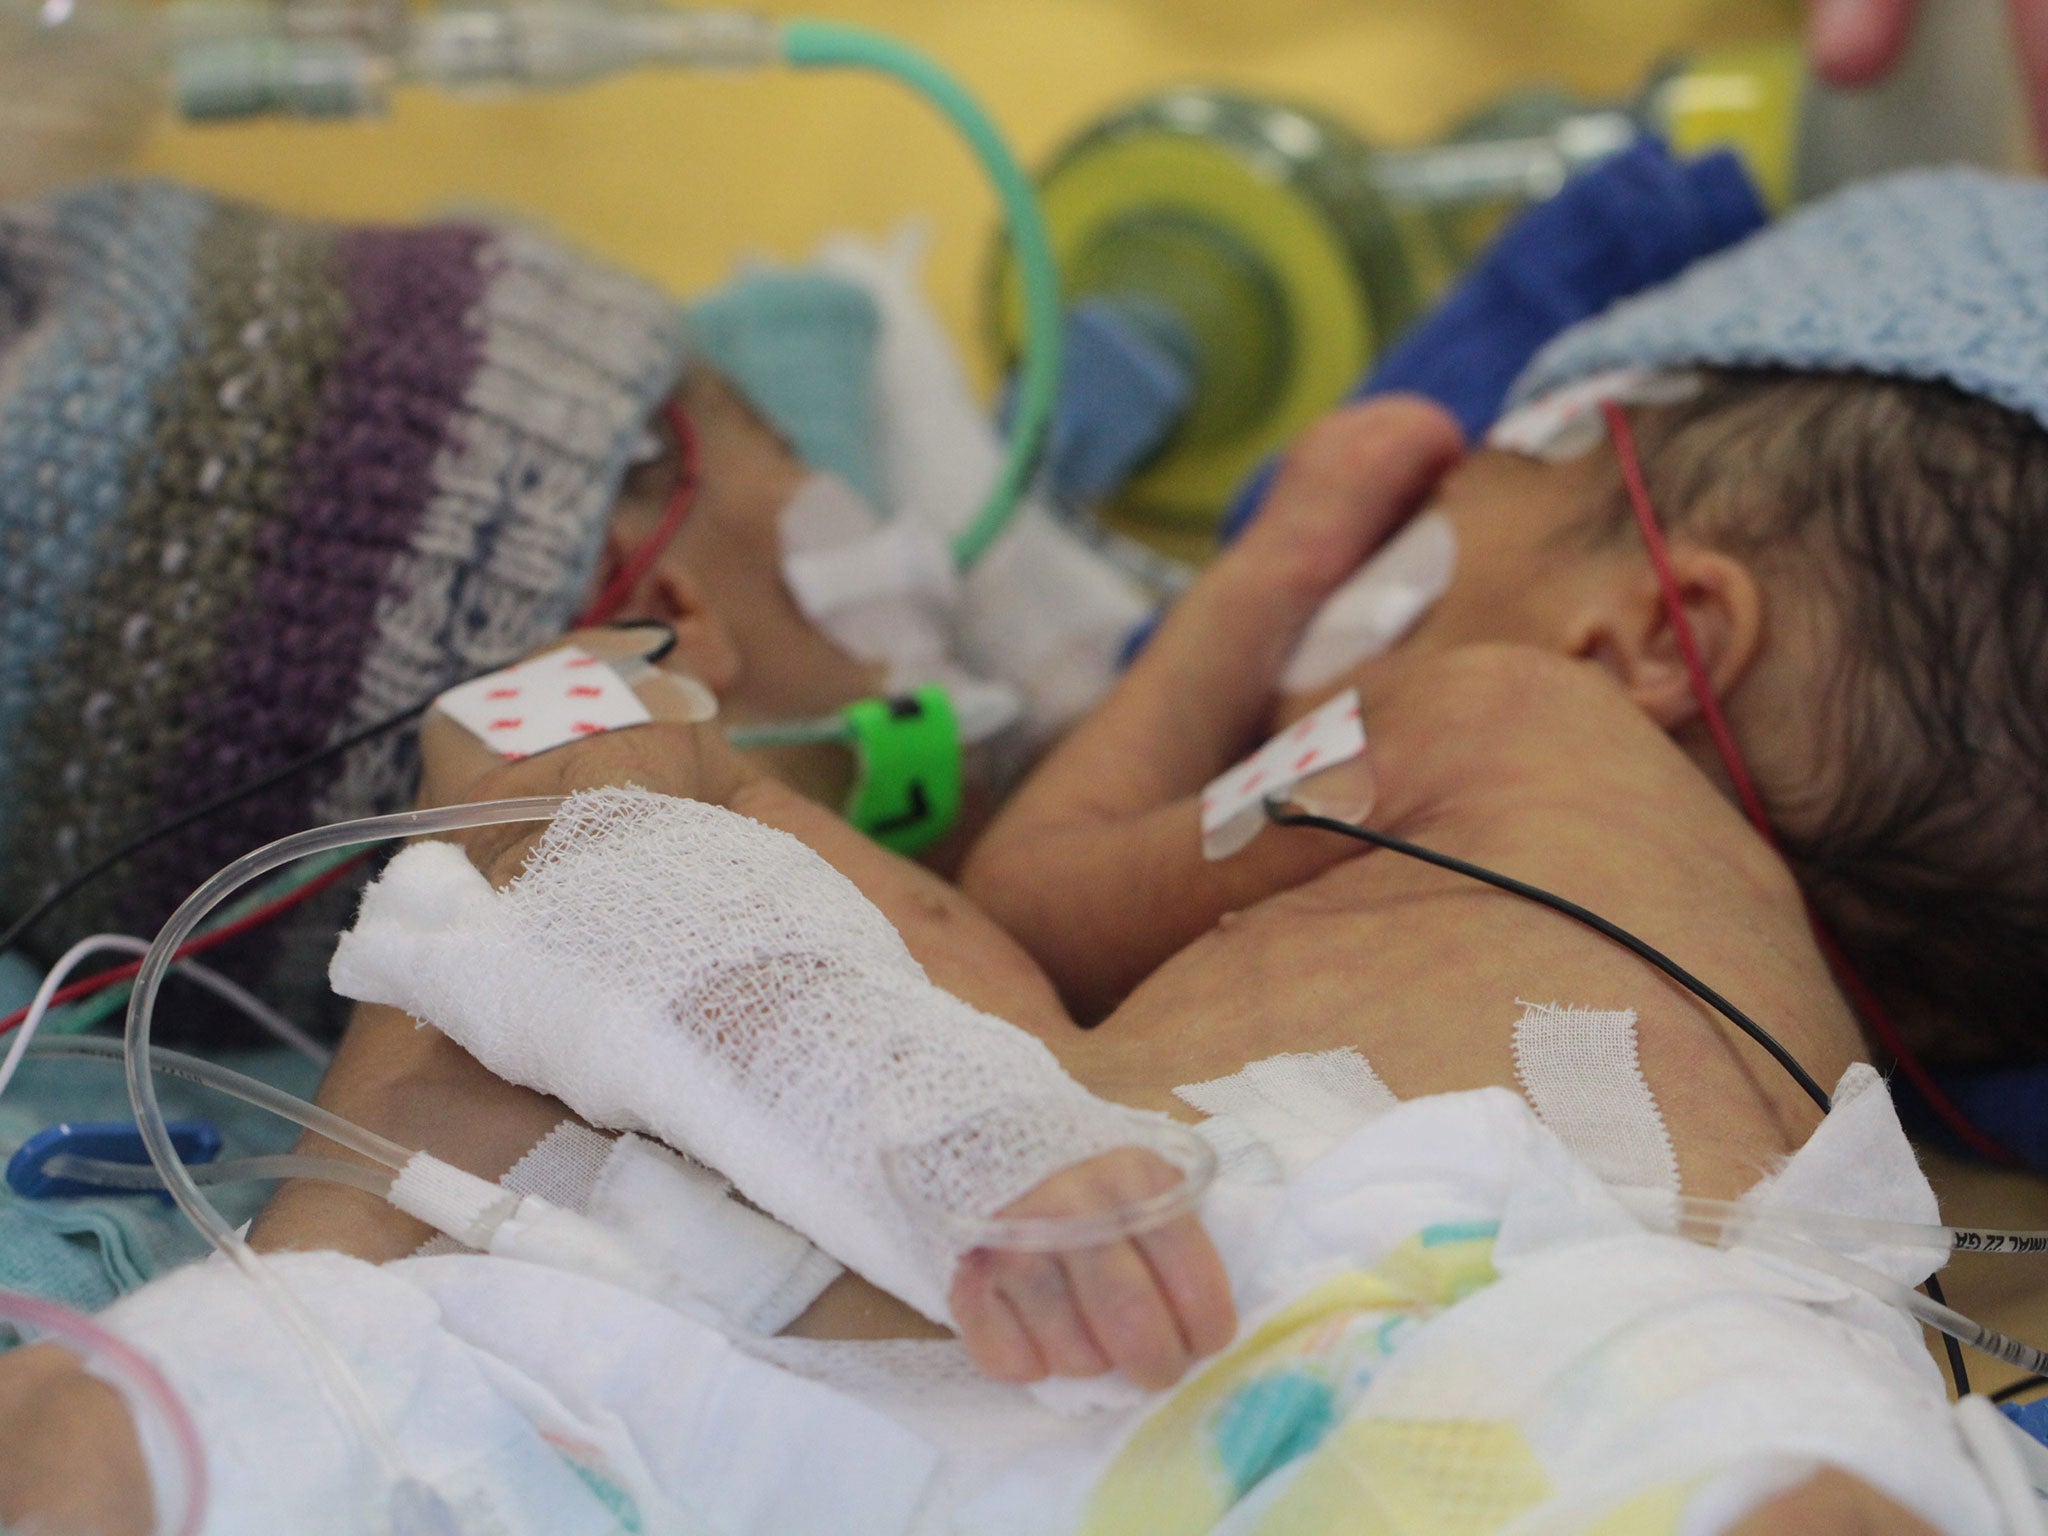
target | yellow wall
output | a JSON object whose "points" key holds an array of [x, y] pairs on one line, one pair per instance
{"points": [[678, 175]]}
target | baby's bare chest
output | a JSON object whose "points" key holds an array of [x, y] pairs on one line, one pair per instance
{"points": [[1426, 975]]}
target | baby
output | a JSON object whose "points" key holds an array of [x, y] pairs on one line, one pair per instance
{"points": [[265, 482], [1538, 721]]}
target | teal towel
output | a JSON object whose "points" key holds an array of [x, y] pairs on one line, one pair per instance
{"points": [[84, 1253], [801, 347]]}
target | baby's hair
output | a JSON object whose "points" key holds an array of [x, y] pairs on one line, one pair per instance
{"points": [[1916, 516]]}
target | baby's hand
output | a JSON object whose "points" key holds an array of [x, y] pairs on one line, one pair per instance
{"points": [[456, 765], [1148, 1305], [670, 754], [1345, 485]]}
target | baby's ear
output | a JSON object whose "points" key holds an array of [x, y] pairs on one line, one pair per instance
{"points": [[1626, 626], [668, 594]]}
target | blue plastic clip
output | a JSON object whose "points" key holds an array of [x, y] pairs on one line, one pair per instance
{"points": [[113, 1141]]}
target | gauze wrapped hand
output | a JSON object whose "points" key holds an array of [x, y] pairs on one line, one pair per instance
{"points": [[672, 968]]}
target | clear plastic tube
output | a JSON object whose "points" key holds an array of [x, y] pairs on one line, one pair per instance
{"points": [[251, 1006], [1176, 1144], [1732, 1218], [344, 1133], [181, 1507], [824, 730], [406, 1499], [238, 1170], [1924, 1309]]}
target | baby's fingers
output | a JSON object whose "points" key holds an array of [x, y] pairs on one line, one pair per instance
{"points": [[1127, 1313], [1191, 1275], [994, 1336], [1019, 1317]]}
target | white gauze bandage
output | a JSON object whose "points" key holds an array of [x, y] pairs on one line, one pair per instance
{"points": [[672, 968]]}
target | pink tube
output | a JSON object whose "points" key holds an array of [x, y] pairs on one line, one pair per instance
{"points": [[88, 1338]]}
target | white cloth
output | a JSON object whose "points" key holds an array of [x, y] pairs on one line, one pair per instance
{"points": [[534, 1402], [1620, 1362], [1042, 611], [1612, 1360]]}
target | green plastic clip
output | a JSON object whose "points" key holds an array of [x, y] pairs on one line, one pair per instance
{"points": [[908, 779]]}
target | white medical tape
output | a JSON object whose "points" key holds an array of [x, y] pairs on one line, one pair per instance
{"points": [[1299, 1104], [546, 702], [1385, 599], [682, 1219], [1580, 1071], [1233, 806], [460, 1204], [1566, 422], [562, 1168]]}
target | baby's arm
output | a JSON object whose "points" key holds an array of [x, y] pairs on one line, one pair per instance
{"points": [[1146, 1306], [1096, 864]]}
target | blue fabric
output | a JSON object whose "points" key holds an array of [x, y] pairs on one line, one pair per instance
{"points": [[2010, 1105], [1121, 394], [1632, 220], [801, 347], [1935, 275], [2032, 1417], [85, 1253]]}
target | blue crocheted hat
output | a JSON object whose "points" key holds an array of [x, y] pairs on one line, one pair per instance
{"points": [[1938, 275]]}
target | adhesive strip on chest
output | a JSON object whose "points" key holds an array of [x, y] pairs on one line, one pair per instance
{"points": [[1299, 1104], [1580, 1070]]}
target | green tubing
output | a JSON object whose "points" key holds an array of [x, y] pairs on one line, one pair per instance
{"points": [[825, 45]]}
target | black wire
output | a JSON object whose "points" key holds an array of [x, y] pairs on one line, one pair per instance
{"points": [[298, 765], [1635, 946], [2013, 1389], [1957, 1371], [1577, 913]]}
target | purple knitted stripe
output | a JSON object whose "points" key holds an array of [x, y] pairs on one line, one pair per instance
{"points": [[359, 484]]}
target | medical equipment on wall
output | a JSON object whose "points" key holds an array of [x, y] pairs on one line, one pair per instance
{"points": [[82, 82], [1265, 253]]}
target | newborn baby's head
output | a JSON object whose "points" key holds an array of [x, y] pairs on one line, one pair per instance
{"points": [[1841, 425]]}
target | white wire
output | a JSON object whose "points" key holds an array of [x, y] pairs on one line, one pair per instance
{"points": [[260, 1012]]}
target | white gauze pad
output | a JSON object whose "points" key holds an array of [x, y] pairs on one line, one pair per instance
{"points": [[1377, 606], [671, 968]]}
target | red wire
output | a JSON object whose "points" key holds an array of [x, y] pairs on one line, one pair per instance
{"points": [[602, 607], [1873, 1013], [616, 591], [100, 980]]}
